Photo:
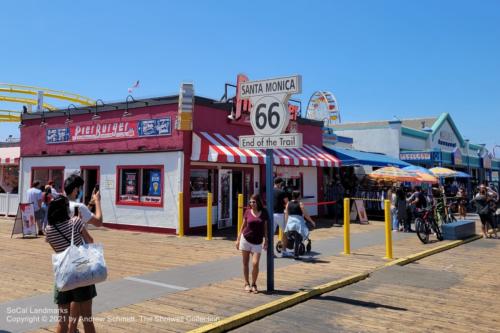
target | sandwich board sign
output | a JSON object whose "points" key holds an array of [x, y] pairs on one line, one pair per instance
{"points": [[360, 207], [25, 222], [269, 117]]}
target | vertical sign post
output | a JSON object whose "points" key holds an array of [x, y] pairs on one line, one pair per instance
{"points": [[270, 225], [39, 103], [269, 119]]}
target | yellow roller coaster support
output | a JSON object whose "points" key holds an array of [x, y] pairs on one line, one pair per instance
{"points": [[59, 94], [11, 119], [10, 116], [25, 101]]}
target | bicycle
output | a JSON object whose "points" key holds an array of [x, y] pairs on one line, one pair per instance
{"points": [[425, 224], [449, 217]]}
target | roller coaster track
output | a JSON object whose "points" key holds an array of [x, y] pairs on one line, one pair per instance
{"points": [[25, 101], [14, 116], [10, 116]]}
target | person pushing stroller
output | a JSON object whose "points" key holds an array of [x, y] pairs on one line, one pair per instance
{"points": [[296, 229]]}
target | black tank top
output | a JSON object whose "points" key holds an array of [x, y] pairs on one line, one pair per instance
{"points": [[294, 208]]}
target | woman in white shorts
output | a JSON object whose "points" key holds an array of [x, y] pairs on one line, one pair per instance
{"points": [[252, 238]]}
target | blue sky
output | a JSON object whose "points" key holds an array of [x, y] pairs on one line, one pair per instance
{"points": [[380, 58]]}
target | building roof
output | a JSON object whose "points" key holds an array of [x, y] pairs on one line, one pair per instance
{"points": [[361, 125], [152, 101], [415, 123], [419, 123]]}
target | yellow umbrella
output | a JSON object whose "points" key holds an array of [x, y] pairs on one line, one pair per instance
{"points": [[443, 172], [393, 174], [426, 178]]}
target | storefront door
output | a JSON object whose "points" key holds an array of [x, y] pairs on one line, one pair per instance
{"points": [[225, 206], [90, 176]]}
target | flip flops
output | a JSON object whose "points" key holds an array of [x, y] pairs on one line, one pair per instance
{"points": [[254, 289]]}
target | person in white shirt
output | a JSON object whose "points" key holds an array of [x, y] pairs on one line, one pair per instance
{"points": [[54, 192], [73, 188], [394, 208], [34, 196]]}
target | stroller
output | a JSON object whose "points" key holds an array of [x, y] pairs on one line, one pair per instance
{"points": [[296, 242]]}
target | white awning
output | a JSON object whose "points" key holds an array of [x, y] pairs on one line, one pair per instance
{"points": [[223, 148]]}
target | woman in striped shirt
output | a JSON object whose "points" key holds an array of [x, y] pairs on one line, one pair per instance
{"points": [[77, 302]]}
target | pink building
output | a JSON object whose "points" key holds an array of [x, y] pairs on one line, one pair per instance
{"points": [[142, 162]]}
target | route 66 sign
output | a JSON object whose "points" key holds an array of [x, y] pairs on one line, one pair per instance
{"points": [[269, 98]]}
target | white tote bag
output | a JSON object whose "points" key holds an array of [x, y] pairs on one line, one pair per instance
{"points": [[79, 266]]}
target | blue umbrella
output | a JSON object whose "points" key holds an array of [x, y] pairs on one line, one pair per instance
{"points": [[461, 174], [416, 168]]}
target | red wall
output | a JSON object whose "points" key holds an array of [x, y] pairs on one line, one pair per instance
{"points": [[215, 121], [33, 133], [205, 118]]}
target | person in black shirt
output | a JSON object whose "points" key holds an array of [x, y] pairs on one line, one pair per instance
{"points": [[280, 200]]}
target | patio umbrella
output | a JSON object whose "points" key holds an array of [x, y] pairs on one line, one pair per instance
{"points": [[393, 174], [461, 174], [423, 174], [443, 172], [426, 178], [416, 168]]}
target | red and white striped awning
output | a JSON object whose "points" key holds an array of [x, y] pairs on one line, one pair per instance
{"points": [[9, 155], [222, 148]]}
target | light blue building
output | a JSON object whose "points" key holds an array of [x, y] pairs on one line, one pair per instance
{"points": [[428, 142]]}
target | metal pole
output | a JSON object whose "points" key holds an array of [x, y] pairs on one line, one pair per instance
{"points": [[270, 225], [209, 216], [240, 214], [347, 218], [469, 187], [388, 234], [180, 231]]}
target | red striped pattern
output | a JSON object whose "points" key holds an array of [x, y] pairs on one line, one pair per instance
{"points": [[9, 160], [221, 148], [9, 155]]}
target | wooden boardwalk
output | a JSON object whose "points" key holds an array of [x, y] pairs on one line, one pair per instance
{"points": [[182, 311], [26, 266], [132, 253], [453, 291]]}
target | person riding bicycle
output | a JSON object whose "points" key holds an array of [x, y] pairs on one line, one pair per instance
{"points": [[417, 202]]}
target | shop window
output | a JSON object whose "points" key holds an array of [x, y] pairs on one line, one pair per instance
{"points": [[142, 186], [293, 184], [9, 180], [44, 174], [202, 181]]}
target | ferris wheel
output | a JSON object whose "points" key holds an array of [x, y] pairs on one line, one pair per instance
{"points": [[323, 106]]}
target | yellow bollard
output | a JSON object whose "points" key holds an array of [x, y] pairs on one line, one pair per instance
{"points": [[240, 213], [209, 216], [388, 227], [180, 231], [347, 221]]}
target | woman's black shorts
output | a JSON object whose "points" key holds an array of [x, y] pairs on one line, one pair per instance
{"points": [[81, 294]]}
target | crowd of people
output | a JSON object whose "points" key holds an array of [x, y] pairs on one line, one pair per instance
{"points": [[289, 214], [59, 215], [406, 203], [40, 195]]}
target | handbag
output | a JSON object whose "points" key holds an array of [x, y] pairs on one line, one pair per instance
{"points": [[79, 266]]}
